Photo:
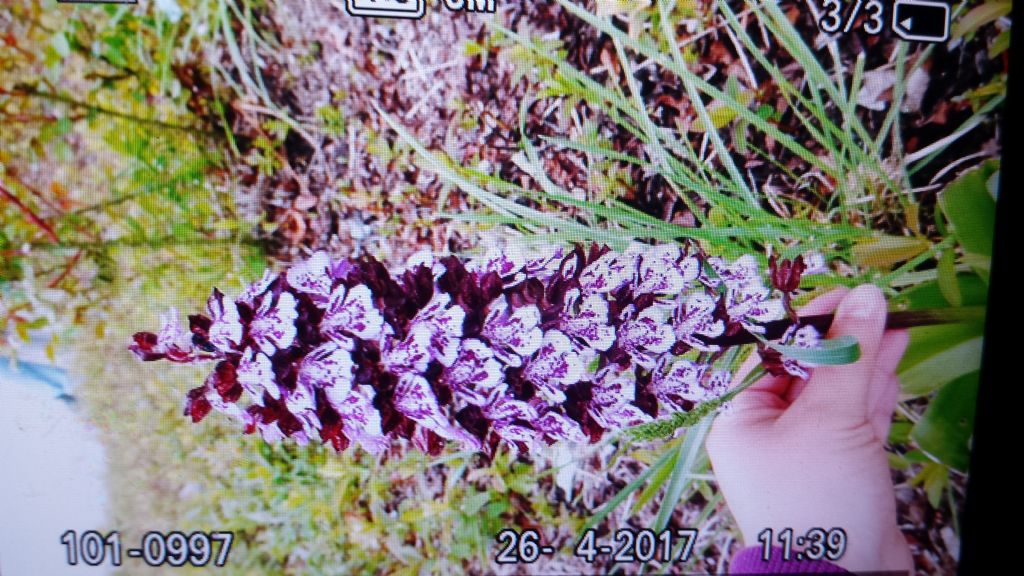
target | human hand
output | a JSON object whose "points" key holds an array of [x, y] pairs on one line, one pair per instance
{"points": [[810, 454]]}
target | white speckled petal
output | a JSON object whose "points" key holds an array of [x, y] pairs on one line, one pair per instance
{"points": [[273, 328], [226, 330], [352, 312]]}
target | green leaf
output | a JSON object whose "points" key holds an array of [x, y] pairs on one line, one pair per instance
{"points": [[898, 462], [886, 251], [935, 478], [946, 428], [942, 367], [899, 432], [626, 491], [973, 292], [831, 352], [687, 460], [971, 210], [1000, 44], [657, 481], [474, 502], [926, 341], [947, 279], [981, 15], [496, 509]]}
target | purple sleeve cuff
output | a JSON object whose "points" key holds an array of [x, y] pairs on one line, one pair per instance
{"points": [[749, 561]]}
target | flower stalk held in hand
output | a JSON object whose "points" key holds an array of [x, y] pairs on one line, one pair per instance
{"points": [[564, 347]]}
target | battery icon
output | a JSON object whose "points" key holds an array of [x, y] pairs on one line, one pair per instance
{"points": [[386, 8], [921, 20]]}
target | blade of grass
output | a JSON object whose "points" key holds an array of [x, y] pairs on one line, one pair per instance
{"points": [[793, 95], [652, 52], [657, 481], [724, 155], [628, 489], [687, 458], [497, 203]]}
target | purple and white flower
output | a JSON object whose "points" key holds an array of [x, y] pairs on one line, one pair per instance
{"points": [[752, 304], [329, 366], [301, 402], [351, 311], [646, 337], [408, 356], [313, 278], [444, 323], [510, 420], [560, 427], [694, 320], [663, 270], [230, 409], [805, 337], [476, 376], [271, 433], [506, 409], [507, 263], [715, 385], [514, 334], [173, 340], [611, 404], [546, 266], [361, 421], [514, 434], [226, 330], [256, 375], [737, 274], [255, 291], [415, 400], [554, 367], [608, 273], [585, 320], [682, 381], [519, 369], [273, 327]]}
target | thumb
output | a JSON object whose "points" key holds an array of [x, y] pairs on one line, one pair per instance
{"points": [[843, 392]]}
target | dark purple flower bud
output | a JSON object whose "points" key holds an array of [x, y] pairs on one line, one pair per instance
{"points": [[145, 346], [225, 381], [785, 275], [196, 405]]}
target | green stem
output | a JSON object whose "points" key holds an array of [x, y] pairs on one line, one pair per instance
{"points": [[161, 242], [898, 320], [25, 92]]}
